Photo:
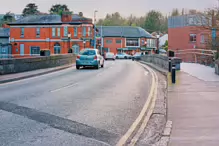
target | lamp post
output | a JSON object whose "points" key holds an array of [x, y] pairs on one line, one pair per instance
{"points": [[84, 42], [69, 38], [158, 36], [95, 28]]}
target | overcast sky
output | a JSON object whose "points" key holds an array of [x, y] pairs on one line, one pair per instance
{"points": [[125, 7]]}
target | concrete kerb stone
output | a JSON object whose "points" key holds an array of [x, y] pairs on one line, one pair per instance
{"points": [[157, 132], [34, 75]]}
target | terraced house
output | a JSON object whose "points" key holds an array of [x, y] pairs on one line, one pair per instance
{"points": [[56, 33], [126, 39]]}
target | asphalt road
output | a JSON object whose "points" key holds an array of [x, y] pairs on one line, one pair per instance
{"points": [[73, 107]]}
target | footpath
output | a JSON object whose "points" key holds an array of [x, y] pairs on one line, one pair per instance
{"points": [[19, 76], [193, 106]]}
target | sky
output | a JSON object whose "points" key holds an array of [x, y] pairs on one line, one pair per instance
{"points": [[124, 7]]}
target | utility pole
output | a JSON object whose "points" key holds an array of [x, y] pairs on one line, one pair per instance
{"points": [[95, 28]]}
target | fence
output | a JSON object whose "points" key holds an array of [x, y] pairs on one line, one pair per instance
{"points": [[201, 56], [16, 65]]}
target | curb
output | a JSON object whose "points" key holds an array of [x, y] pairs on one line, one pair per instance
{"points": [[161, 128], [165, 73], [33, 75]]}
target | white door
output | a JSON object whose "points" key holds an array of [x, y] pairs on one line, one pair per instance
{"points": [[22, 49]]}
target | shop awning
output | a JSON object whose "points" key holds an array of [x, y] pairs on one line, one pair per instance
{"points": [[146, 49], [126, 49]]}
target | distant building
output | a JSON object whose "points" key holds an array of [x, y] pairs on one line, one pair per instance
{"points": [[5, 46], [163, 39], [124, 39], [56, 33], [188, 32]]}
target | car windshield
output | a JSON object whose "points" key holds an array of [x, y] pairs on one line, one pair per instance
{"points": [[88, 52]]}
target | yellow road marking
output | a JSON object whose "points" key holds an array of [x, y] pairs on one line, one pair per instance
{"points": [[147, 118], [123, 141]]}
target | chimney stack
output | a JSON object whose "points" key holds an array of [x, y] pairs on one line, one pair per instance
{"points": [[66, 16]]}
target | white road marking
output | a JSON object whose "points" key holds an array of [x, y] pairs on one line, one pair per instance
{"points": [[146, 73], [68, 86]]}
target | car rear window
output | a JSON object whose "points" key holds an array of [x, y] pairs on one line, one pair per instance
{"points": [[88, 52]]}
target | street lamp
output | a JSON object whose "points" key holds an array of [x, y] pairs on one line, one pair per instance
{"points": [[69, 38], [84, 42], [95, 28], [158, 36]]}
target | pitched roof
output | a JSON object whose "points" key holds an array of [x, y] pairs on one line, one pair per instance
{"points": [[123, 31], [48, 19], [4, 32]]}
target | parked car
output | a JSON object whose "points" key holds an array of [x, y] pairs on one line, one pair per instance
{"points": [[123, 56], [110, 56], [137, 56], [89, 57]]}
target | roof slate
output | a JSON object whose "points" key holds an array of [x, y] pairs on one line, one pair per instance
{"points": [[4, 32], [44, 19], [123, 31]]}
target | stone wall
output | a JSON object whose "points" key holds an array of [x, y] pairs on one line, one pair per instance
{"points": [[159, 60], [16, 65], [217, 67]]}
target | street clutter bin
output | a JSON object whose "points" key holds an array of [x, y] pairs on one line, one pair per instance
{"points": [[177, 61]]}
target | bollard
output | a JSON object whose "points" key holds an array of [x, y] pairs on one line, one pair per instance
{"points": [[169, 64], [173, 73]]}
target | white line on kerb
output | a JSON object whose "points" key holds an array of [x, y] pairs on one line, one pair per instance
{"points": [[68, 86]]}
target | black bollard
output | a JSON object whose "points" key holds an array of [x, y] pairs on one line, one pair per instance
{"points": [[169, 64], [173, 73]]}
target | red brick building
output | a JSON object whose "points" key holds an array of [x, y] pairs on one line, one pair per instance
{"points": [[56, 33], [187, 32], [124, 39]]}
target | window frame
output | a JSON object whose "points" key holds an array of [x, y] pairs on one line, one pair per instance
{"points": [[75, 31], [129, 39], [118, 42], [38, 32], [107, 41], [194, 39], [58, 32], [22, 32], [53, 32], [84, 31], [65, 28]]}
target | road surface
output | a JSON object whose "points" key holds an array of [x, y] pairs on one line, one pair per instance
{"points": [[73, 107]]}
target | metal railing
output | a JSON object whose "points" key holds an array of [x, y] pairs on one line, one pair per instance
{"points": [[201, 56]]}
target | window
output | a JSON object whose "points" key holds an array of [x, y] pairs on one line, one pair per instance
{"points": [[22, 32], [88, 52], [75, 31], [58, 32], [57, 48], [53, 32], [89, 31], [35, 50], [37, 32], [132, 42], [109, 41], [118, 41], [192, 38], [84, 31], [65, 30]]}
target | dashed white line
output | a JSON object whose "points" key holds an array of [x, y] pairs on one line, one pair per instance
{"points": [[68, 86]]}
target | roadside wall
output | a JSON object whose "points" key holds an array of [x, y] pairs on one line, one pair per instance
{"points": [[159, 60], [16, 65], [217, 67]]}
